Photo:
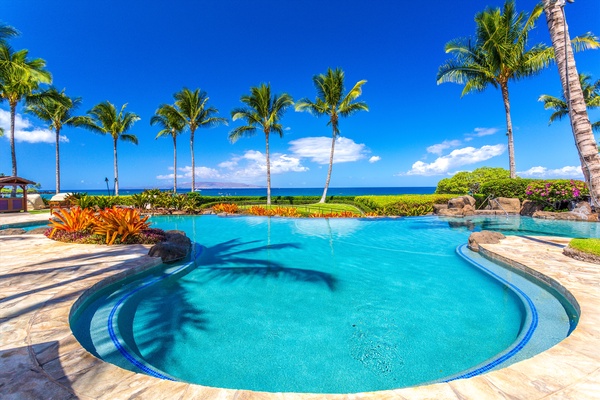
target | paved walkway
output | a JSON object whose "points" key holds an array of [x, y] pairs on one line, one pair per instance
{"points": [[40, 359]]}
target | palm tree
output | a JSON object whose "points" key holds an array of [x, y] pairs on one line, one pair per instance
{"points": [[193, 108], [496, 56], [7, 32], [591, 96], [172, 125], [56, 108], [573, 93], [105, 120], [262, 110], [332, 102], [19, 78]]}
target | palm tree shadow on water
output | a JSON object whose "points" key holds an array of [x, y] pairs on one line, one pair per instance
{"points": [[170, 311]]}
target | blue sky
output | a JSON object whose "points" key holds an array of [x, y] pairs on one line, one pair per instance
{"points": [[416, 132]]}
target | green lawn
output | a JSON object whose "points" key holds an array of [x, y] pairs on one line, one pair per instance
{"points": [[591, 246]]}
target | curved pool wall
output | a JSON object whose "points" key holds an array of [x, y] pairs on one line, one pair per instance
{"points": [[537, 332]]}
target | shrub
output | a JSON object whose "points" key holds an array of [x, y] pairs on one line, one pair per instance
{"points": [[340, 214], [120, 222], [556, 192], [76, 219], [506, 188], [225, 208], [405, 205], [290, 212], [470, 182]]}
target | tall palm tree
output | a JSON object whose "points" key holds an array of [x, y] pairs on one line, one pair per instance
{"points": [[332, 102], [19, 78], [172, 124], [591, 96], [580, 123], [263, 110], [105, 120], [56, 108], [496, 56], [193, 107]]}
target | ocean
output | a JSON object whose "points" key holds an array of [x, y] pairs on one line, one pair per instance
{"points": [[350, 191]]}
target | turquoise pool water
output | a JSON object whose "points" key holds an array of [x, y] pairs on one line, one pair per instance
{"points": [[315, 305]]}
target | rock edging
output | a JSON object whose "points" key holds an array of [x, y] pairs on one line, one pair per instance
{"points": [[175, 248], [581, 255], [484, 237]]}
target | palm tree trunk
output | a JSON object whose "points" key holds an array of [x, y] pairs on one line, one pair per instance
{"points": [[193, 161], [57, 162], [13, 154], [509, 132], [330, 168], [268, 171], [116, 168], [174, 164], [580, 123]]}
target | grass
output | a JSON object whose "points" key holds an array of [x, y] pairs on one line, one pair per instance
{"points": [[591, 246], [46, 211]]}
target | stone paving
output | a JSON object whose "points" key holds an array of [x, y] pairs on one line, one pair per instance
{"points": [[40, 359]]}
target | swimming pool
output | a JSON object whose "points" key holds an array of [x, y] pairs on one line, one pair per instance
{"points": [[329, 306]]}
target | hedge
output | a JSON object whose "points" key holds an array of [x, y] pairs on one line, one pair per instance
{"points": [[403, 205]]}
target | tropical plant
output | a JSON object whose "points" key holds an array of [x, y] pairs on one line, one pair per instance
{"points": [[172, 124], [497, 55], [580, 123], [555, 192], [225, 208], [470, 182], [74, 219], [104, 119], [120, 223], [7, 32], [332, 102], [513, 188], [56, 109], [591, 96], [265, 110], [406, 204], [20, 77], [192, 107]]}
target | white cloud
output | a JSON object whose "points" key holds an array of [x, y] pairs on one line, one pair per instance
{"points": [[26, 132], [201, 172], [374, 159], [457, 158], [479, 132], [543, 172], [440, 147], [318, 149]]}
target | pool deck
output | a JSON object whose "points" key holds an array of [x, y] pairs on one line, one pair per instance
{"points": [[40, 359]]}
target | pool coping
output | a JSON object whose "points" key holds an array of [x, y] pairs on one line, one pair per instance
{"points": [[39, 355]]}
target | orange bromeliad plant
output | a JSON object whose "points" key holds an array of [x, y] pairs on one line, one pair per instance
{"points": [[225, 208], [74, 220], [123, 222]]}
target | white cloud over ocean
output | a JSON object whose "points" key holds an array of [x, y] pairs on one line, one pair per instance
{"points": [[457, 158], [25, 131], [318, 149]]}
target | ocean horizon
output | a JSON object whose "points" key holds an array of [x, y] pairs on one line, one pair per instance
{"points": [[333, 191]]}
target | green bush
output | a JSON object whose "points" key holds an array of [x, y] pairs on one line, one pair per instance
{"points": [[507, 188], [470, 182], [403, 205], [556, 193]]}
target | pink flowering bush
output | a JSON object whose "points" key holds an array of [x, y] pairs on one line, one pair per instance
{"points": [[556, 192]]}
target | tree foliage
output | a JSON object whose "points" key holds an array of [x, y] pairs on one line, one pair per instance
{"points": [[470, 182]]}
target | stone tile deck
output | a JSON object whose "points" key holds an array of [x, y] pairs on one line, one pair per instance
{"points": [[40, 359]]}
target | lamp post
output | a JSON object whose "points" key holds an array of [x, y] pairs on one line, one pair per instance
{"points": [[107, 188]]}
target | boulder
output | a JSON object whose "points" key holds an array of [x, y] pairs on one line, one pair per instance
{"points": [[175, 248], [450, 212], [484, 237], [565, 216], [528, 208], [583, 208], [460, 202], [12, 231], [438, 207], [509, 205], [468, 210], [35, 202]]}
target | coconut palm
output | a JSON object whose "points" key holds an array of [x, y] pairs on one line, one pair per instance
{"points": [[591, 96], [332, 102], [193, 107], [496, 56], [263, 110], [580, 123], [104, 120], [20, 77], [172, 124], [56, 108]]}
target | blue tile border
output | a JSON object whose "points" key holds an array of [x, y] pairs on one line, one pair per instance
{"points": [[524, 339], [111, 324]]}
